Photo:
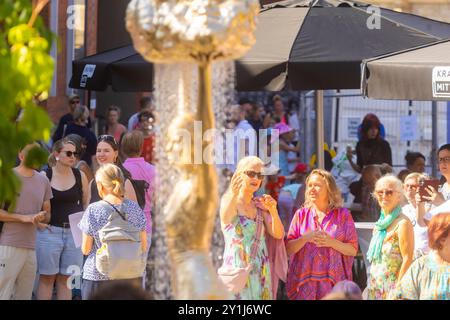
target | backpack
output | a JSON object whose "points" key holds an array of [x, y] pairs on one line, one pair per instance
{"points": [[121, 255], [140, 187]]}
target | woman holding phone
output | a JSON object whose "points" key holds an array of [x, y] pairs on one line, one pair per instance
{"points": [[436, 196]]}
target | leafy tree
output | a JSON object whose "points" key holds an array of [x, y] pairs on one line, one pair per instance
{"points": [[26, 70]]}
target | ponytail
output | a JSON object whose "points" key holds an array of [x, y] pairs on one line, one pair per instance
{"points": [[111, 178]]}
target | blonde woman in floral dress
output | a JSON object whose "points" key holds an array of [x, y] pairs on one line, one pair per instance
{"points": [[391, 249], [238, 214]]}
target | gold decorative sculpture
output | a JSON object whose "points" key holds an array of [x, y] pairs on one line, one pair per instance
{"points": [[196, 31]]}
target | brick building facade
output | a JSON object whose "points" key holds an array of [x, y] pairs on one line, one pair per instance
{"points": [[85, 27]]}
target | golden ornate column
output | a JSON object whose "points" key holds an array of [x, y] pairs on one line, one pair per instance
{"points": [[187, 32]]}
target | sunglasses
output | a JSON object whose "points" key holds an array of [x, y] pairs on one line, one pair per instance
{"points": [[387, 193], [75, 102], [412, 186], [71, 153], [107, 137], [254, 174]]}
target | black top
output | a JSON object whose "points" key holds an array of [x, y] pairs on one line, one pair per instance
{"points": [[94, 192], [373, 151], [66, 202], [89, 136]]}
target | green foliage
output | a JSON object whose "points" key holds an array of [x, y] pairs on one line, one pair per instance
{"points": [[25, 78]]}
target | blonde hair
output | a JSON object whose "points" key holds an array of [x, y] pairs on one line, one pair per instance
{"points": [[415, 176], [334, 193], [111, 178], [389, 178], [276, 98], [243, 164]]}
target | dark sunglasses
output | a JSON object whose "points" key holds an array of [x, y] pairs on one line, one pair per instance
{"points": [[74, 101], [107, 137], [71, 153], [254, 174]]}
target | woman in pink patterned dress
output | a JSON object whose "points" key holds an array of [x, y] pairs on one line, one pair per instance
{"points": [[321, 242]]}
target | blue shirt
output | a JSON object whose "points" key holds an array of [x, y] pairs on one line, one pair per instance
{"points": [[96, 217]]}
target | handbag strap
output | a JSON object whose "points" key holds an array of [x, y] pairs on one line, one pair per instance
{"points": [[259, 226], [120, 213]]}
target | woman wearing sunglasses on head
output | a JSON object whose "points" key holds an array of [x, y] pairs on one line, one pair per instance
{"points": [[108, 152], [391, 249], [56, 252], [321, 241], [241, 214]]}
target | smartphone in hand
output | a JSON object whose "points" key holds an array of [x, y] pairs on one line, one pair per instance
{"points": [[435, 183]]}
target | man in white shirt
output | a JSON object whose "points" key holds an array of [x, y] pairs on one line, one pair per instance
{"points": [[244, 138]]}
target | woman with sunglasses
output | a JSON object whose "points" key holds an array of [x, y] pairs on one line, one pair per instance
{"points": [[391, 249], [80, 144], [56, 251], [322, 240], [108, 152], [239, 212]]}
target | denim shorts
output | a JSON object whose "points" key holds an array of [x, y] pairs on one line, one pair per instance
{"points": [[56, 252]]}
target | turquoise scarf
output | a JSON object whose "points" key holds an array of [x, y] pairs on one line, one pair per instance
{"points": [[374, 252]]}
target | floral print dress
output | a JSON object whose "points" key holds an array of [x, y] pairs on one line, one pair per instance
{"points": [[383, 274], [428, 278], [239, 236]]}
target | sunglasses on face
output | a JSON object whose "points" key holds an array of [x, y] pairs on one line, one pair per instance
{"points": [[254, 174], [71, 153], [75, 102], [387, 193]]}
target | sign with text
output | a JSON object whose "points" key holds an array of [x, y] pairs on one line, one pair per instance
{"points": [[352, 128], [408, 128]]}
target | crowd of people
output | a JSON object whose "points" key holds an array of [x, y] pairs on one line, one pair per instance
{"points": [[292, 227]]}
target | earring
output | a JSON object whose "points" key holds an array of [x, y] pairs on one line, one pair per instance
{"points": [[57, 159]]}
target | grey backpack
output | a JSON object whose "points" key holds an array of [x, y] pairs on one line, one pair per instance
{"points": [[121, 255]]}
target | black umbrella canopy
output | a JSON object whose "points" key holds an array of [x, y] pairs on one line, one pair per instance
{"points": [[323, 47], [300, 45], [94, 72], [417, 74]]}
